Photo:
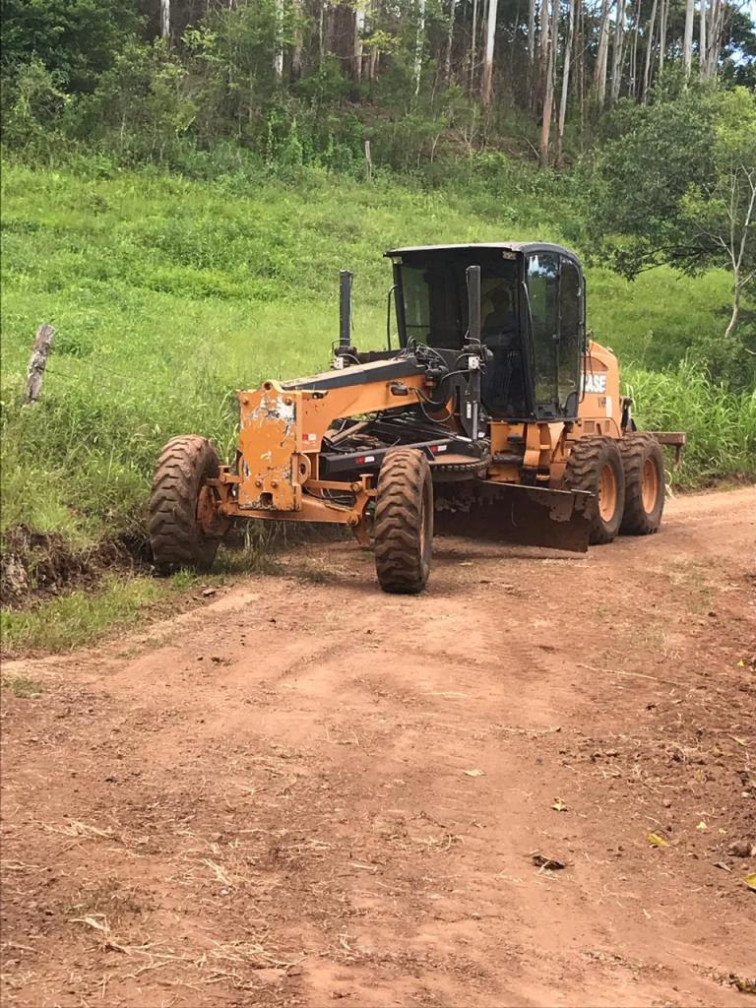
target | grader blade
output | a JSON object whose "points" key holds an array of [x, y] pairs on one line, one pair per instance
{"points": [[524, 515]]}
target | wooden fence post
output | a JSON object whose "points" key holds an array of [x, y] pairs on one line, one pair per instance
{"points": [[38, 362], [369, 161]]}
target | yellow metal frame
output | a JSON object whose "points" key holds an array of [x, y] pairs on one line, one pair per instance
{"points": [[282, 432]]}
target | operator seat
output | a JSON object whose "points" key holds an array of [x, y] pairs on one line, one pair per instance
{"points": [[502, 389]]}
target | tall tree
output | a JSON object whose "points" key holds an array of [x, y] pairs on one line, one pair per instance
{"points": [[544, 26], [278, 54], [565, 80], [702, 40], [531, 30], [473, 56], [419, 44], [632, 85], [618, 50], [602, 56], [165, 19], [298, 41], [488, 56], [359, 30], [548, 99], [714, 35], [449, 43], [650, 35], [679, 186], [663, 15], [687, 48]]}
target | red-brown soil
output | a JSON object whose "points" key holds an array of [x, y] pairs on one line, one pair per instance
{"points": [[307, 791]]}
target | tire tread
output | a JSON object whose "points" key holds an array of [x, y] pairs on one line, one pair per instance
{"points": [[176, 537], [398, 521], [634, 449]]}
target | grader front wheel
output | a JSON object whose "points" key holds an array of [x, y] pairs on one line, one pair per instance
{"points": [[403, 524], [183, 525]]}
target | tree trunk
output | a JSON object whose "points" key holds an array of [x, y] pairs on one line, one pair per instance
{"points": [[296, 52], [618, 52], [690, 10], [663, 15], [473, 47], [737, 291], [565, 82], [531, 30], [544, 22], [633, 74], [715, 35], [165, 19], [359, 28], [38, 362], [702, 41], [649, 50], [548, 100], [278, 54], [599, 73], [321, 32], [419, 44], [450, 44], [486, 84]]}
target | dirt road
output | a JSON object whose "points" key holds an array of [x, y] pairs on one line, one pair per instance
{"points": [[307, 791]]}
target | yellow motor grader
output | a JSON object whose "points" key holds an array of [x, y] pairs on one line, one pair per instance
{"points": [[494, 418]]}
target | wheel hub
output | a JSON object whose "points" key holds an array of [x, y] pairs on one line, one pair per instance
{"points": [[207, 509], [649, 485], [607, 494]]}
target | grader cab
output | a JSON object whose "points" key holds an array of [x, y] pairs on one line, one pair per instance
{"points": [[493, 418]]}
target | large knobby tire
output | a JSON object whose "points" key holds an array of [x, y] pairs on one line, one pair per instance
{"points": [[403, 522], [595, 465], [643, 463], [177, 536]]}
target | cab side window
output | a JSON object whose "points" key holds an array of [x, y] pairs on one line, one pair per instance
{"points": [[570, 331], [543, 295]]}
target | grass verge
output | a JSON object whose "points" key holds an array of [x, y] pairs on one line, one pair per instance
{"points": [[84, 616]]}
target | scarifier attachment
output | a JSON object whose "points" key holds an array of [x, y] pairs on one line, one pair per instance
{"points": [[508, 512]]}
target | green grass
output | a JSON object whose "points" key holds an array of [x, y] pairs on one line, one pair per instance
{"points": [[21, 687], [168, 294], [721, 425], [80, 617], [83, 616]]}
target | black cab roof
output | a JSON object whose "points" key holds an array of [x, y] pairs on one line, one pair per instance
{"points": [[512, 246]]}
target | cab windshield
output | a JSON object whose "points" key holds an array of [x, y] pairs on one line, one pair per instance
{"points": [[434, 297]]}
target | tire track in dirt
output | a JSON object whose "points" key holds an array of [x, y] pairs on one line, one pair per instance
{"points": [[272, 806]]}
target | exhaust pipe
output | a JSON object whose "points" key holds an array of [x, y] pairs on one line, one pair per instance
{"points": [[345, 309], [470, 397], [473, 303]]}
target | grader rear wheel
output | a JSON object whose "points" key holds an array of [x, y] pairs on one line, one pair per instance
{"points": [[403, 523], [595, 465], [184, 528], [643, 463]]}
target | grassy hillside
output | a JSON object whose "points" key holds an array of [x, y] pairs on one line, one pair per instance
{"points": [[168, 294]]}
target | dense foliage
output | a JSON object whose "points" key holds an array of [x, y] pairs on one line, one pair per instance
{"points": [[309, 81]]}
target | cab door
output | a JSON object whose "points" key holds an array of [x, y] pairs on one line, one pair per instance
{"points": [[555, 296], [571, 336]]}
